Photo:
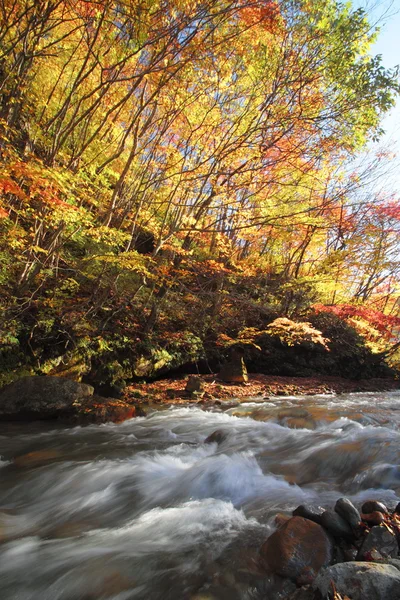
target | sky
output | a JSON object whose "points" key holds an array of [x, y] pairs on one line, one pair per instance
{"points": [[387, 14]]}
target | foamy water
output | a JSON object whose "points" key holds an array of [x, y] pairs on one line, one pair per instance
{"points": [[147, 510]]}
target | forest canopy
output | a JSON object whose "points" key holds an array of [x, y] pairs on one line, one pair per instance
{"points": [[173, 170]]}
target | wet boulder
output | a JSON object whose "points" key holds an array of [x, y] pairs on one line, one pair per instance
{"points": [[297, 550], [45, 397], [360, 581], [378, 544]]}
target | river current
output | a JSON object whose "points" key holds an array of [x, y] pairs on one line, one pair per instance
{"points": [[148, 510]]}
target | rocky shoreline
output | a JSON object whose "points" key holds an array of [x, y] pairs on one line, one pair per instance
{"points": [[211, 389], [340, 554], [45, 397]]}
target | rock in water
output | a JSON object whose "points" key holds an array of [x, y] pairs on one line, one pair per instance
{"points": [[217, 436], [41, 397], [235, 370], [348, 511], [313, 513], [360, 581], [297, 550], [378, 544], [371, 506]]}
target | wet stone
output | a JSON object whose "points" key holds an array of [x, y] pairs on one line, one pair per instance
{"points": [[312, 513], [371, 506], [374, 518], [348, 511], [36, 458], [360, 581], [297, 550], [216, 436], [378, 544], [335, 524]]}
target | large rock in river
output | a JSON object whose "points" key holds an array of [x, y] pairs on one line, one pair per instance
{"points": [[297, 550], [37, 398]]}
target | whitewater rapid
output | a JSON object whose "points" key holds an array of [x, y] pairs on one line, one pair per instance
{"points": [[148, 510]]}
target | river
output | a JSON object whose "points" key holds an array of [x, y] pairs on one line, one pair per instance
{"points": [[147, 510]]}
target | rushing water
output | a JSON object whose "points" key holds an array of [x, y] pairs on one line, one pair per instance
{"points": [[147, 510]]}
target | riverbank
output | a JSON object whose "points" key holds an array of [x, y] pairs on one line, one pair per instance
{"points": [[172, 391]]}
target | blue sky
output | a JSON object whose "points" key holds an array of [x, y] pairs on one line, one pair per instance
{"points": [[387, 14]]}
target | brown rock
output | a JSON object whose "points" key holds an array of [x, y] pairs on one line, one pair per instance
{"points": [[194, 385], [298, 550], [374, 518], [103, 410], [235, 370]]}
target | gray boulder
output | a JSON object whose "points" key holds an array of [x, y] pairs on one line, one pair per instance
{"points": [[378, 544], [360, 581], [41, 398]]}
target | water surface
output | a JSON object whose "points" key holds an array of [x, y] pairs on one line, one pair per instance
{"points": [[147, 510]]}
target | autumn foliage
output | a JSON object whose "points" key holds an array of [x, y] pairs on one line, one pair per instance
{"points": [[173, 170]]}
